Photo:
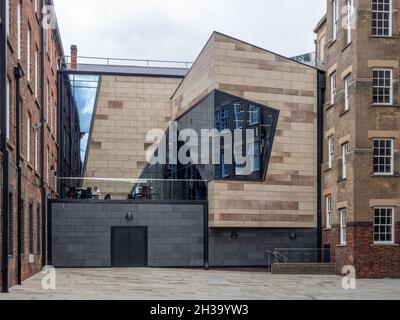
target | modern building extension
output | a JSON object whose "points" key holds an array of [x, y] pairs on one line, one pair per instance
{"points": [[359, 47], [31, 56], [231, 85]]}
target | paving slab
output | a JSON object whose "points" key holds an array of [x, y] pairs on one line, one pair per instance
{"points": [[196, 284]]}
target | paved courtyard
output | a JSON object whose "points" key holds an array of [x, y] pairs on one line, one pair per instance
{"points": [[196, 284]]}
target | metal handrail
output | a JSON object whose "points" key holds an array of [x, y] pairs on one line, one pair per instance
{"points": [[277, 256], [147, 62]]}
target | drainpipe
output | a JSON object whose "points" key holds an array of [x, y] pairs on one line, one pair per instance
{"points": [[320, 145], [59, 132], [18, 76], [4, 150], [42, 131]]}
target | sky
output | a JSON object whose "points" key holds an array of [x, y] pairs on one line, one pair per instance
{"points": [[178, 29]]}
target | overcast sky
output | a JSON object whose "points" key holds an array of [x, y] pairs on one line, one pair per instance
{"points": [[178, 29]]}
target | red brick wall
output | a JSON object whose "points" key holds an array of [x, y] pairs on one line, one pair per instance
{"points": [[32, 106], [370, 261]]}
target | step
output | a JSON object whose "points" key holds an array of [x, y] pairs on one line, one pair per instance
{"points": [[304, 268]]}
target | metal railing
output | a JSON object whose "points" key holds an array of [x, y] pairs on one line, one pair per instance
{"points": [[131, 62], [298, 255], [88, 188]]}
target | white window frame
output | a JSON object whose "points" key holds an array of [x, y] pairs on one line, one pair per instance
{"points": [[379, 156], [19, 29], [385, 225], [8, 17], [36, 166], [335, 18], [47, 100], [47, 163], [333, 80], [343, 226], [28, 138], [350, 13], [328, 211], [8, 100], [384, 87], [28, 54], [331, 151], [345, 152], [36, 72], [347, 83], [390, 20]]}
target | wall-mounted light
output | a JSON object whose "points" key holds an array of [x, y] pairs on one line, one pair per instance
{"points": [[293, 236], [234, 235], [129, 216]]}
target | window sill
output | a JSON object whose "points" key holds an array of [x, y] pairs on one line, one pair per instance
{"points": [[383, 37], [379, 105], [346, 46], [30, 88], [328, 170], [344, 112], [327, 229], [329, 106], [331, 43], [341, 246], [374, 175], [385, 245], [10, 145], [10, 45], [29, 166], [342, 180], [37, 103]]}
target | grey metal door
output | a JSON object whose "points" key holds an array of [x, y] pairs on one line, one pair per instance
{"points": [[129, 246]]}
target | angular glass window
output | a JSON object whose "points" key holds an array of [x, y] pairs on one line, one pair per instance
{"points": [[239, 115], [254, 115]]}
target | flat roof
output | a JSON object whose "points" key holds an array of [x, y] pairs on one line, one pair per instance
{"points": [[131, 70]]}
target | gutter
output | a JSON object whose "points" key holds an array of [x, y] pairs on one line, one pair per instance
{"points": [[4, 150], [42, 131], [18, 75]]}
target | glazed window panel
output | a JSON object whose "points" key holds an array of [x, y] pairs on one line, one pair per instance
{"points": [[382, 86], [224, 118], [239, 115], [343, 226], [347, 83], [254, 115], [331, 151], [382, 18], [383, 157], [333, 88], [328, 201], [335, 18], [384, 225]]}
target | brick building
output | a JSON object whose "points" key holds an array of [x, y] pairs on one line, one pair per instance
{"points": [[358, 45], [31, 56]]}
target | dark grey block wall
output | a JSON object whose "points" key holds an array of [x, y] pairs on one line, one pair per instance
{"points": [[251, 245], [81, 236], [81, 232]]}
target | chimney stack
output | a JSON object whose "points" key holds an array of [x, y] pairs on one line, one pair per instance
{"points": [[74, 57]]}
